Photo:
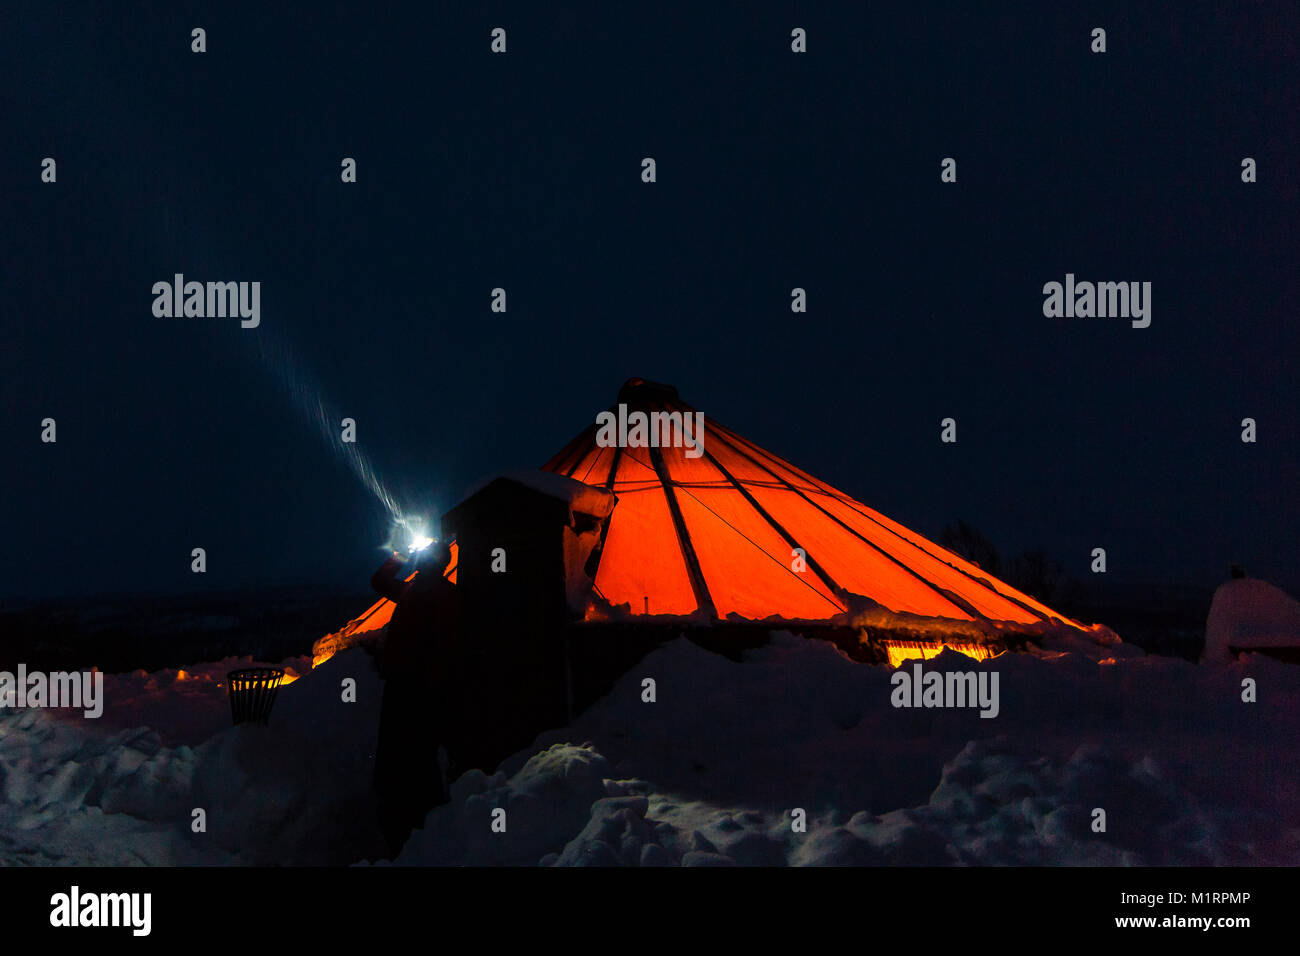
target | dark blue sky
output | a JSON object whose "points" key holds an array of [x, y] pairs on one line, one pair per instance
{"points": [[523, 171]]}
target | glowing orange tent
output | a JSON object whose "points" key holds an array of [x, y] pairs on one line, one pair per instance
{"points": [[740, 534], [733, 533]]}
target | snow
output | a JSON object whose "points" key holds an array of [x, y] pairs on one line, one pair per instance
{"points": [[185, 705], [711, 773], [1249, 613], [714, 772], [78, 791]]}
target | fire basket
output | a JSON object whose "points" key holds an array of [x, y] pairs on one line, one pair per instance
{"points": [[252, 693]]}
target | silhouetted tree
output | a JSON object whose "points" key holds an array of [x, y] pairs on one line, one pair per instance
{"points": [[1036, 574], [973, 546]]}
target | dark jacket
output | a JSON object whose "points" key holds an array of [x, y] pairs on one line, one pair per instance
{"points": [[421, 640]]}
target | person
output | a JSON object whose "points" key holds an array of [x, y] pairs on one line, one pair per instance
{"points": [[416, 661]]}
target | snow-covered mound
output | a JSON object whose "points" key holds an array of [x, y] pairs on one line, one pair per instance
{"points": [[1247, 613], [297, 791], [715, 770], [184, 705]]}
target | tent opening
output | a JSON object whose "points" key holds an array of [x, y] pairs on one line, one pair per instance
{"points": [[899, 651]]}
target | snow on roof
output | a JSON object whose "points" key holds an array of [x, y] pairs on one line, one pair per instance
{"points": [[1249, 613]]}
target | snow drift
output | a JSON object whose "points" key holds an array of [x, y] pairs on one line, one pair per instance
{"points": [[712, 771]]}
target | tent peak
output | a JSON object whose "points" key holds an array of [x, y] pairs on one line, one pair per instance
{"points": [[639, 390]]}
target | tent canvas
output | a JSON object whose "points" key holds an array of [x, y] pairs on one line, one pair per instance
{"points": [[713, 538]]}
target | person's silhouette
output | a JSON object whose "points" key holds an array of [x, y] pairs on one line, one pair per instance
{"points": [[416, 661]]}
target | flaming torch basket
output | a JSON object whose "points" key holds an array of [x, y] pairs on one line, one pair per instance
{"points": [[252, 693]]}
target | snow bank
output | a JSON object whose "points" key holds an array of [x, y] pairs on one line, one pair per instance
{"points": [[1247, 613], [297, 791], [996, 804], [545, 803], [184, 705], [713, 771]]}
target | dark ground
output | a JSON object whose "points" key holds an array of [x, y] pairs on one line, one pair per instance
{"points": [[128, 632]]}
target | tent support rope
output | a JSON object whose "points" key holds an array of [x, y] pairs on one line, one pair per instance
{"points": [[736, 440], [831, 584], [955, 599], [761, 550]]}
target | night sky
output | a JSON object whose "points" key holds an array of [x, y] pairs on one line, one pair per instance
{"points": [[523, 171]]}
